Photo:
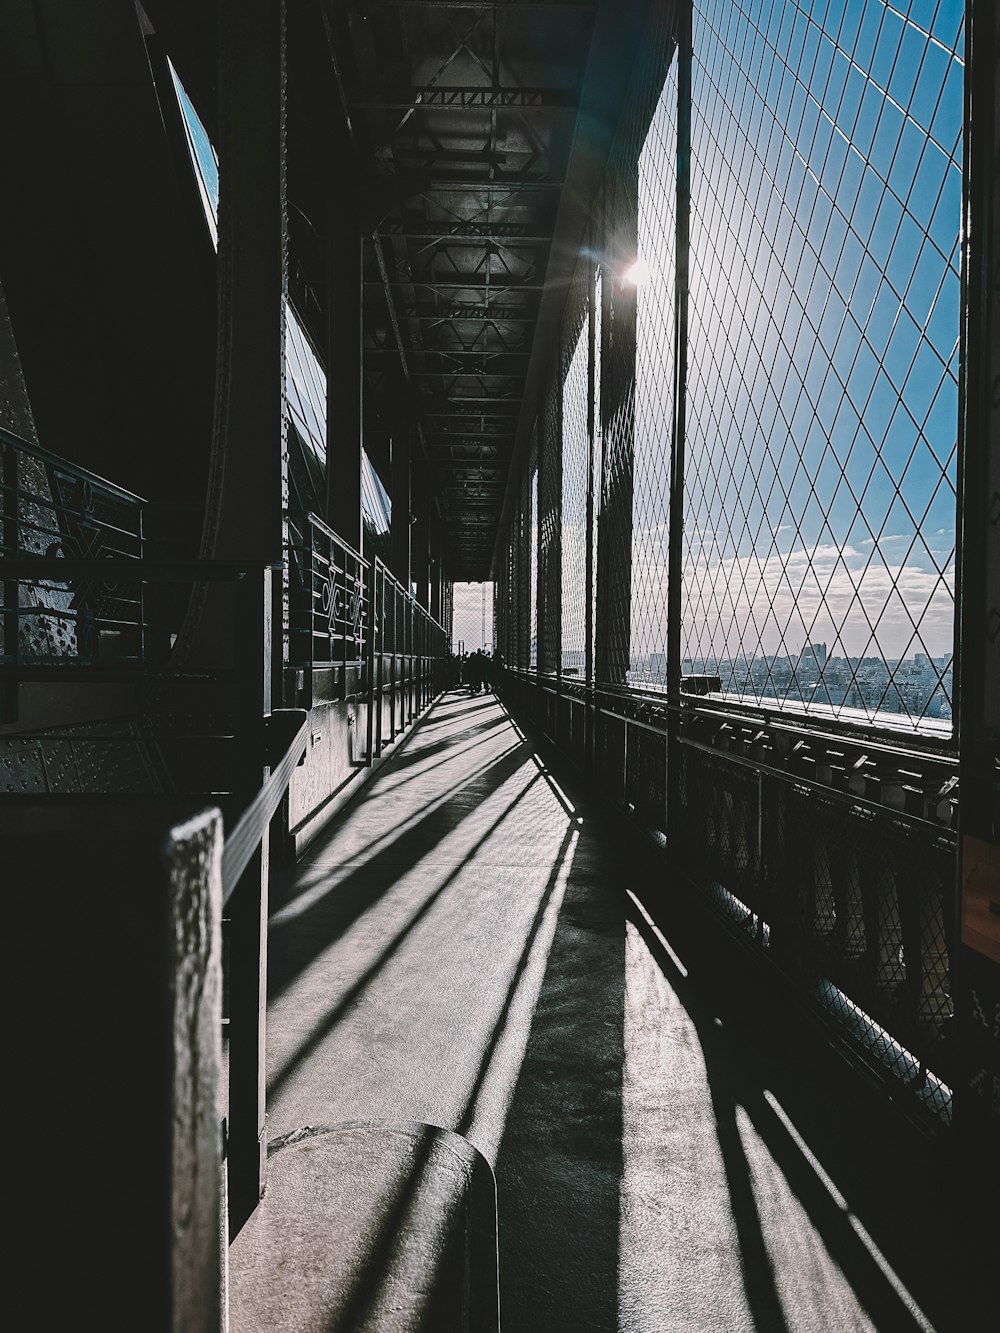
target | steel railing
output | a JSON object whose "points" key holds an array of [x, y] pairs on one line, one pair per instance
{"points": [[831, 855], [57, 511]]}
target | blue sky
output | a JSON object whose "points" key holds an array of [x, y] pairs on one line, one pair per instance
{"points": [[822, 410]]}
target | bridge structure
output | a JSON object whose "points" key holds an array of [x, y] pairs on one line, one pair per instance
{"points": [[656, 983]]}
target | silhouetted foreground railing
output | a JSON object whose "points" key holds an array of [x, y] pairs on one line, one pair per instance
{"points": [[75, 602], [832, 855], [248, 832]]}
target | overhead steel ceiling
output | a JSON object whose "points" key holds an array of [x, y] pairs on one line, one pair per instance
{"points": [[474, 133], [466, 112]]}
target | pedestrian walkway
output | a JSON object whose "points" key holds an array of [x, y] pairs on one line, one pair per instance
{"points": [[471, 947]]}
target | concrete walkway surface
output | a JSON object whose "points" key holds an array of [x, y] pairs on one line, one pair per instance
{"points": [[472, 947]]}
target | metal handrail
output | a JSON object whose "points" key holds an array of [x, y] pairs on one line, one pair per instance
{"points": [[9, 440], [138, 570], [249, 830]]}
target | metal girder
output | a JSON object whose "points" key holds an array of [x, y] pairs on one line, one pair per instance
{"points": [[452, 282], [484, 314], [474, 439], [478, 157], [485, 473], [473, 230], [588, 6], [506, 417], [498, 428], [461, 374], [479, 355], [473, 398], [468, 98], [511, 182], [486, 448]]}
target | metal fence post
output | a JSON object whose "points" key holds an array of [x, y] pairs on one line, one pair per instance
{"points": [[675, 554]]}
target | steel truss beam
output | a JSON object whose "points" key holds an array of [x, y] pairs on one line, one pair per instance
{"points": [[468, 98], [479, 355], [452, 282], [511, 182], [450, 404], [479, 439], [459, 231], [478, 415], [588, 6], [465, 373], [484, 314]]}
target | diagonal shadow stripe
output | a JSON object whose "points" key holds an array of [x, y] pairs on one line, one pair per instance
{"points": [[307, 874], [353, 993]]}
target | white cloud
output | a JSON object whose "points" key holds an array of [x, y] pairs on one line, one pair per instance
{"points": [[856, 603]]}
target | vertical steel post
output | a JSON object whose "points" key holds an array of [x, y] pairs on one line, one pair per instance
{"points": [[249, 497], [614, 538], [370, 663], [379, 614], [11, 587], [593, 481], [550, 524], [399, 522], [977, 678], [344, 417], [420, 561], [675, 554], [591, 437], [437, 564]]}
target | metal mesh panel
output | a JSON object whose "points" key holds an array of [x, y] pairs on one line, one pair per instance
{"points": [[549, 506], [575, 375], [525, 575], [820, 486], [654, 279], [597, 458], [533, 569], [614, 546], [819, 535]]}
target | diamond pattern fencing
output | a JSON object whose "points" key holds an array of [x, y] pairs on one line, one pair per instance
{"points": [[819, 544], [597, 446], [654, 281], [533, 569], [549, 527], [523, 568], [819, 540], [617, 401], [575, 373]]}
